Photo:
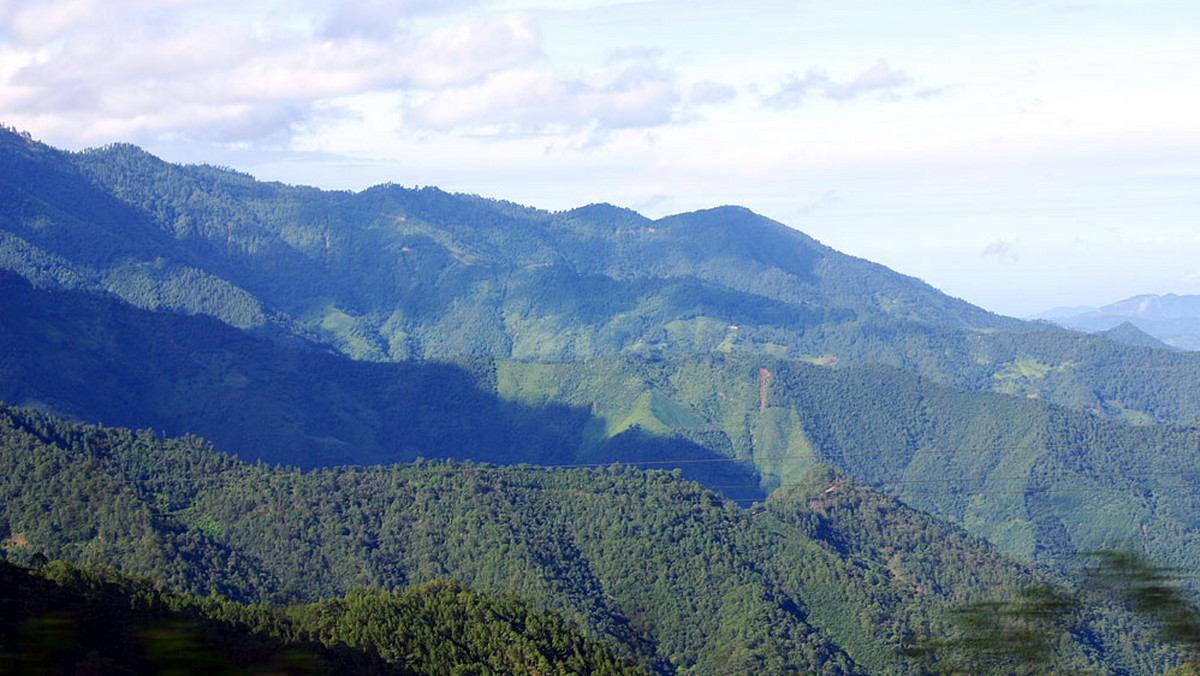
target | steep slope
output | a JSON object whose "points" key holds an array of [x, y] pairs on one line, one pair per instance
{"points": [[58, 229], [96, 359], [340, 261], [468, 238], [654, 564], [392, 273], [1039, 480], [935, 560]]}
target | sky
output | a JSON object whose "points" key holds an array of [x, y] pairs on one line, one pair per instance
{"points": [[1020, 155]]}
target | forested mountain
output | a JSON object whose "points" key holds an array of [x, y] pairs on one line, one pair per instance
{"points": [[1039, 480], [394, 273], [450, 342], [826, 576], [1127, 333]]}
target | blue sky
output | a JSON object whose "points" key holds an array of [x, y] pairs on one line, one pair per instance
{"points": [[1020, 155]]}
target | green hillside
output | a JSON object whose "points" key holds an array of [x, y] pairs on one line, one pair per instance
{"points": [[96, 359], [390, 364], [656, 566], [393, 273], [1038, 480]]}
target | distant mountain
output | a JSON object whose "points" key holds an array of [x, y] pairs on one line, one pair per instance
{"points": [[1155, 308], [391, 273], [1172, 319], [1127, 333], [1063, 311]]}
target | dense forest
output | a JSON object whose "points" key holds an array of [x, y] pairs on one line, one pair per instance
{"points": [[263, 428], [1039, 480], [393, 273], [203, 522], [826, 576]]}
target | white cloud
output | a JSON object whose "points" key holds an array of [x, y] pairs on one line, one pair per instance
{"points": [[878, 78], [222, 78], [819, 203], [1002, 251], [633, 54], [467, 52], [35, 23], [537, 99], [709, 92], [29, 22], [81, 71], [378, 19]]}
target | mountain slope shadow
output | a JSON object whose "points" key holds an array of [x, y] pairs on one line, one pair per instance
{"points": [[733, 478], [96, 359]]}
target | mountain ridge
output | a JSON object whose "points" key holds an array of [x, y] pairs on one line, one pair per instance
{"points": [[746, 422], [271, 241], [392, 273], [1171, 318], [319, 329]]}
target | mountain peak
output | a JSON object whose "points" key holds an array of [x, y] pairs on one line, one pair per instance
{"points": [[1171, 319], [1126, 332], [603, 213], [420, 272]]}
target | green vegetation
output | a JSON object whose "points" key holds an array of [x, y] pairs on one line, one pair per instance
{"points": [[826, 575], [1028, 631], [62, 618], [391, 273], [315, 333], [1038, 480]]}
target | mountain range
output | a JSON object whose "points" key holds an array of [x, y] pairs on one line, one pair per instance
{"points": [[1170, 318], [392, 273], [374, 348]]}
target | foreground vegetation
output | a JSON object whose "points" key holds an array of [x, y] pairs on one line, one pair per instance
{"points": [[63, 618], [825, 576]]}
